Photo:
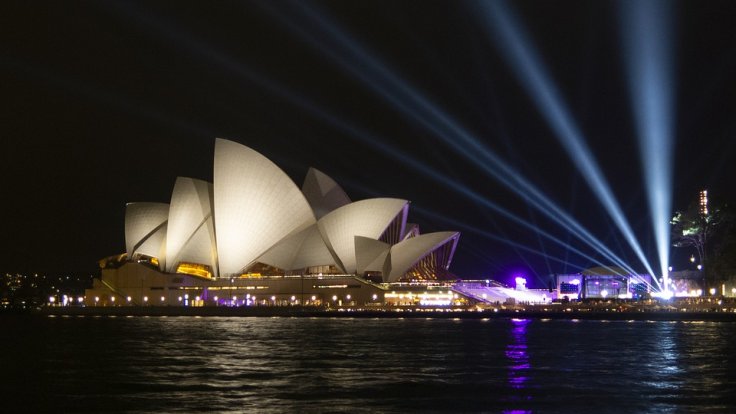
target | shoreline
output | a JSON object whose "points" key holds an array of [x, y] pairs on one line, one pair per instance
{"points": [[300, 312]]}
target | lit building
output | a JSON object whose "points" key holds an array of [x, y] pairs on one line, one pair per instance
{"points": [[605, 282], [703, 202], [253, 237]]}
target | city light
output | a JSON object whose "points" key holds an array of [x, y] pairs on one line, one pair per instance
{"points": [[520, 283]]}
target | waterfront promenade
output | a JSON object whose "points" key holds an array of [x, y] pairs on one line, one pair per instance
{"points": [[572, 312]]}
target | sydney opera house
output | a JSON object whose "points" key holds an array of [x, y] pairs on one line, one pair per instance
{"points": [[253, 237]]}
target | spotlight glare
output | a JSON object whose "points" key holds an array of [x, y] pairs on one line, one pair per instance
{"points": [[646, 32]]}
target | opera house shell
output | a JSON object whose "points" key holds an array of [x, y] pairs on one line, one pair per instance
{"points": [[253, 229]]}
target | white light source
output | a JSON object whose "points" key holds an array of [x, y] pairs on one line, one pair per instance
{"points": [[604, 293]]}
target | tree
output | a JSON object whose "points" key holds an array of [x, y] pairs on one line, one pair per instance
{"points": [[723, 252], [696, 227], [690, 228]]}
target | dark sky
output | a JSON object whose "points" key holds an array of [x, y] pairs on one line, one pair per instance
{"points": [[105, 103]]}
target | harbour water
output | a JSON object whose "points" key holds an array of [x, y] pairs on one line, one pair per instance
{"points": [[240, 364]]}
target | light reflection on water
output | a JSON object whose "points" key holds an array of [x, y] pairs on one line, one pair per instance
{"points": [[183, 364], [516, 353]]}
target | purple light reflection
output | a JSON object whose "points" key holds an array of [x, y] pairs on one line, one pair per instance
{"points": [[516, 352]]}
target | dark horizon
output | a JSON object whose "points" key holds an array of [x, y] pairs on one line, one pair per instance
{"points": [[107, 103]]}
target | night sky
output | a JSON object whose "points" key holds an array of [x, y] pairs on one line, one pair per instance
{"points": [[105, 103]]}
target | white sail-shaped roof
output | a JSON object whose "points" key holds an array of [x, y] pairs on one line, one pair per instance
{"points": [[314, 251], [145, 229], [155, 246], [282, 254], [412, 230], [191, 231], [256, 205], [367, 218], [298, 251], [405, 254], [323, 193], [370, 254]]}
